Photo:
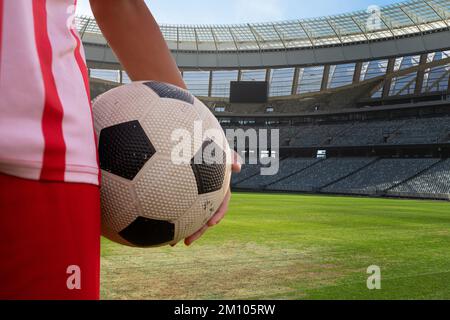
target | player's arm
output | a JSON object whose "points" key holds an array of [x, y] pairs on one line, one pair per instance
{"points": [[135, 37]]}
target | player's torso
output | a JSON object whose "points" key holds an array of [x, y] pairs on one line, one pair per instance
{"points": [[46, 130]]}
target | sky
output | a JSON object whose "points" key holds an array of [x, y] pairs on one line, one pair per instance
{"points": [[244, 11]]}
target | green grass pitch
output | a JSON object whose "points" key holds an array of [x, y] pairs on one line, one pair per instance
{"points": [[282, 246]]}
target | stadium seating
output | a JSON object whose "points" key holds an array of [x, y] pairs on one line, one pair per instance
{"points": [[433, 183], [321, 174], [366, 133], [421, 178], [247, 171], [380, 176], [287, 167], [317, 135], [423, 131], [411, 177]]}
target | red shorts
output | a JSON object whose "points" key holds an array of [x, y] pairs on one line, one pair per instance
{"points": [[49, 240]]}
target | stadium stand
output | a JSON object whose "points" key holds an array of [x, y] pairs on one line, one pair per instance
{"points": [[414, 178], [321, 174], [248, 171], [422, 131], [433, 183], [287, 168], [366, 133], [315, 136], [380, 176]]}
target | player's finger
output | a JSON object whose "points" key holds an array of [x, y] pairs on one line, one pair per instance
{"points": [[237, 162], [191, 239], [220, 214]]}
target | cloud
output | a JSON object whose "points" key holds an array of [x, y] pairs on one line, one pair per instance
{"points": [[258, 10]]}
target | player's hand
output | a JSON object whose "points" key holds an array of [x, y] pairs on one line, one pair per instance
{"points": [[220, 214]]}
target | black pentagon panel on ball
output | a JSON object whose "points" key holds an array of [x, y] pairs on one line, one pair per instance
{"points": [[209, 167], [124, 149], [164, 90], [144, 232]]}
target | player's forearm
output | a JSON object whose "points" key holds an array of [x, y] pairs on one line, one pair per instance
{"points": [[136, 39]]}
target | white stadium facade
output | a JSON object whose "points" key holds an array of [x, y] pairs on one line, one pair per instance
{"points": [[371, 89]]}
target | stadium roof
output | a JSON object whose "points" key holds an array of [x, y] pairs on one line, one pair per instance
{"points": [[398, 20]]}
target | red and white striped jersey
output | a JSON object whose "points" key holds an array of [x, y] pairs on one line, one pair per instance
{"points": [[46, 129]]}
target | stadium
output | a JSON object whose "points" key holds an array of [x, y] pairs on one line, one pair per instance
{"points": [[362, 104]]}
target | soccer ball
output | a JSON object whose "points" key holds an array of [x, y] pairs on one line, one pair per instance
{"points": [[158, 189]]}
